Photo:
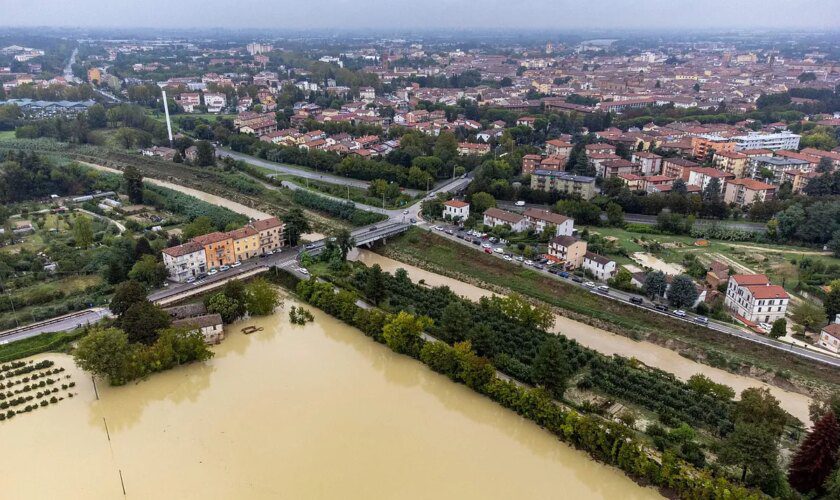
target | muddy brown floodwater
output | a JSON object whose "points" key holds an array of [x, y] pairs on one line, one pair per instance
{"points": [[314, 411], [607, 342]]}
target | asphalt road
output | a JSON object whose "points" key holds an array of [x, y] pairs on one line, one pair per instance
{"points": [[623, 296], [70, 322]]}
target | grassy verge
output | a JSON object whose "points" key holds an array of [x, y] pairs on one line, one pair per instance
{"points": [[717, 349], [47, 342]]}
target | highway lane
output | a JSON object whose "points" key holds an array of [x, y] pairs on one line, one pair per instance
{"points": [[690, 317]]}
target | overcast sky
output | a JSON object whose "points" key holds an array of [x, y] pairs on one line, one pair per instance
{"points": [[423, 14]]}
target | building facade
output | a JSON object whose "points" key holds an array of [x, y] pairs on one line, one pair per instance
{"points": [[563, 182], [568, 250], [456, 210], [600, 267], [753, 298], [185, 261]]}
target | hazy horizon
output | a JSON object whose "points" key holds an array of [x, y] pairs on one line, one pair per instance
{"points": [[427, 15]]}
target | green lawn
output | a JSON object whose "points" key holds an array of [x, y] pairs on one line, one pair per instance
{"points": [[7, 134], [52, 342]]}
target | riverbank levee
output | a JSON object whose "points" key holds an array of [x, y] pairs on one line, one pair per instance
{"points": [[606, 342], [314, 411]]}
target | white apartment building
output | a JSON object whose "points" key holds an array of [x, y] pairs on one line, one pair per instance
{"points": [[456, 210], [600, 267], [830, 338], [539, 219], [496, 217], [773, 142], [215, 102], [753, 298], [185, 261]]}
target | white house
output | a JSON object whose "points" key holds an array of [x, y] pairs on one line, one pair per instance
{"points": [[830, 338], [753, 298], [496, 217], [456, 210], [601, 267], [185, 261], [539, 219], [215, 102], [210, 325]]}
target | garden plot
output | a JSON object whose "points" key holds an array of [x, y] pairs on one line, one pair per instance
{"points": [[657, 264]]}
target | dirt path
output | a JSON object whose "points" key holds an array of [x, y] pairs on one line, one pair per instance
{"points": [[780, 250]]}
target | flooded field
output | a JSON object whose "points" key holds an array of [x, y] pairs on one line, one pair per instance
{"points": [[314, 411], [607, 342]]}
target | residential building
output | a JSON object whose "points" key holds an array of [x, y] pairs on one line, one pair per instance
{"points": [[744, 192], [215, 102], [655, 183], [367, 94], [218, 249], [94, 76], [599, 148], [731, 162], [271, 234], [830, 338], [563, 182], [556, 147], [246, 243], [753, 298], [456, 210], [470, 148], [756, 140], [634, 182], [185, 261], [601, 267], [210, 326], [539, 219], [568, 250], [770, 168], [530, 163], [701, 176], [678, 168], [703, 145], [798, 179], [497, 217], [717, 273], [613, 168], [649, 163]]}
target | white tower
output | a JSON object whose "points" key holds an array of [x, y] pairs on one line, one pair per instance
{"points": [[168, 122]]}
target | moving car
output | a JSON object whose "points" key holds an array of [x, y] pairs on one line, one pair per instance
{"points": [[577, 279], [701, 320], [589, 284], [636, 300], [679, 313], [413, 220]]}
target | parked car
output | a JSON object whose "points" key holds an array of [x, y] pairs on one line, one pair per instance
{"points": [[191, 279], [373, 228], [661, 307], [487, 250], [212, 272], [603, 289], [413, 220], [636, 300], [476, 242], [486, 245], [508, 258], [563, 274], [701, 320], [519, 258], [236, 264], [499, 250], [589, 284], [679, 313], [577, 279], [405, 212], [520, 203], [529, 262]]}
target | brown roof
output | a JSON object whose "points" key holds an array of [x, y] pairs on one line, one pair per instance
{"points": [[545, 215], [832, 329], [180, 250], [207, 239], [750, 279], [243, 232], [504, 215], [753, 184], [767, 291], [597, 258], [262, 225], [199, 321], [565, 241], [456, 203]]}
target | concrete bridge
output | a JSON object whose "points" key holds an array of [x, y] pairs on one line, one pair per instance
{"points": [[365, 236]]}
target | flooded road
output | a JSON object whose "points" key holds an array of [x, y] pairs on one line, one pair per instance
{"points": [[314, 411], [607, 342]]}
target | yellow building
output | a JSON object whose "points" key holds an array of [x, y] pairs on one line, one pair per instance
{"points": [[731, 162], [94, 76], [246, 243]]}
